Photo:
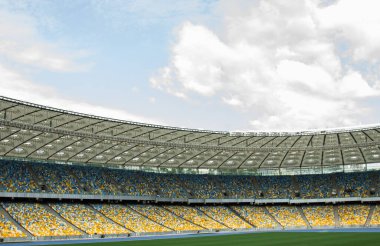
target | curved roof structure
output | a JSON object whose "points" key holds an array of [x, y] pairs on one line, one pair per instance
{"points": [[33, 131]]}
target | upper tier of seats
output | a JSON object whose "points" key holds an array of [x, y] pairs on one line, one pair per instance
{"points": [[71, 179]]}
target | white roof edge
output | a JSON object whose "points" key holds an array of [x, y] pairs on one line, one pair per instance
{"points": [[231, 133], [311, 131]]}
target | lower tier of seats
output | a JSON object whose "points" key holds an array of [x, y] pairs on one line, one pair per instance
{"points": [[32, 219]]}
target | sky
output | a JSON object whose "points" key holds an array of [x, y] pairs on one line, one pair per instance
{"points": [[229, 65]]}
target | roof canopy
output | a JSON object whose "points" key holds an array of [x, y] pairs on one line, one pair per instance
{"points": [[37, 132]]}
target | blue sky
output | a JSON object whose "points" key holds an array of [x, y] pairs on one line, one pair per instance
{"points": [[223, 65]]}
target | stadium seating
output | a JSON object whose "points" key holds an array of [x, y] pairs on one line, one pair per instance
{"points": [[57, 178], [16, 177], [96, 180], [53, 219], [38, 220], [117, 219], [8, 229], [275, 188], [87, 219], [170, 186], [63, 179], [225, 216], [319, 216], [314, 186], [353, 184], [129, 218], [162, 216], [196, 216], [287, 216], [256, 216], [238, 186], [135, 183], [353, 215], [202, 186], [375, 221]]}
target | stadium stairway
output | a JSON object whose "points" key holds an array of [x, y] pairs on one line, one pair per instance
{"points": [[179, 181], [52, 211], [192, 222], [105, 217], [336, 217], [159, 192], [299, 208], [370, 214], [10, 218], [109, 219], [376, 182], [334, 185], [256, 186], [241, 217], [186, 187], [84, 188], [120, 224], [112, 181], [218, 183], [143, 215], [212, 218], [272, 217], [294, 186], [40, 181]]}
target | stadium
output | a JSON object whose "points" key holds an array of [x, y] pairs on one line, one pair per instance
{"points": [[66, 175], [190, 122]]}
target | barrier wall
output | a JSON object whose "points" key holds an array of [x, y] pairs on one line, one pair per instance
{"points": [[82, 197]]}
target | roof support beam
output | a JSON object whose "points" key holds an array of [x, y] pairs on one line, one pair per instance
{"points": [[156, 143]]}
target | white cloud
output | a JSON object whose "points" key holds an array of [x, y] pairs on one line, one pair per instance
{"points": [[290, 64], [21, 42], [14, 85], [356, 22]]}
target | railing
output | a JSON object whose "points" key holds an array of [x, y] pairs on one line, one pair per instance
{"points": [[155, 199], [289, 171]]}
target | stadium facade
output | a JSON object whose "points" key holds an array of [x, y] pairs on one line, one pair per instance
{"points": [[65, 174]]}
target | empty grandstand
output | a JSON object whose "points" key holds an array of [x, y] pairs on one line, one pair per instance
{"points": [[70, 175]]}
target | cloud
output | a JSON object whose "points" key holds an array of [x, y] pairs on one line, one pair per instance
{"points": [[16, 86], [21, 42], [291, 65], [355, 22]]}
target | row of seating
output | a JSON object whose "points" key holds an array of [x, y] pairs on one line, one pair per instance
{"points": [[16, 177], [57, 179], [74, 219], [287, 216], [64, 179], [163, 216], [225, 216], [8, 229], [87, 219], [36, 218], [257, 216], [375, 220], [320, 216], [196, 216], [352, 215], [129, 218], [355, 185]]}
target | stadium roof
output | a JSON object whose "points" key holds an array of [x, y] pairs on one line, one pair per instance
{"points": [[31, 131]]}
